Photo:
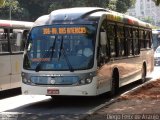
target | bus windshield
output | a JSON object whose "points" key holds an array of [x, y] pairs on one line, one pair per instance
{"points": [[60, 47]]}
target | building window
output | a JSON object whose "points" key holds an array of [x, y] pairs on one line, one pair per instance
{"points": [[142, 12], [141, 7]]}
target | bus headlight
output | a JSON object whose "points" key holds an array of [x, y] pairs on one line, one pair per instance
{"points": [[22, 74], [82, 81], [26, 81], [86, 81]]}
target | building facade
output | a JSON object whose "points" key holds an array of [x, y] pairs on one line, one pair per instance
{"points": [[145, 10]]}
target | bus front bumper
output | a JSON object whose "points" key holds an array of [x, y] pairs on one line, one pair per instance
{"points": [[82, 90]]}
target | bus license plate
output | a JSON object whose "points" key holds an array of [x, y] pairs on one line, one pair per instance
{"points": [[52, 91]]}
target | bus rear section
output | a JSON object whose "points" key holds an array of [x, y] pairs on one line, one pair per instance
{"points": [[13, 35]]}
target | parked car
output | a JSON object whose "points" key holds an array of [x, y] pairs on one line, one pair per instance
{"points": [[157, 56]]}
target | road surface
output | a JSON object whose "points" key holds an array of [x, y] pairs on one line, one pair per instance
{"points": [[33, 107]]}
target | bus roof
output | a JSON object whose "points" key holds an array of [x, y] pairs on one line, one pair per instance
{"points": [[15, 24], [92, 13]]}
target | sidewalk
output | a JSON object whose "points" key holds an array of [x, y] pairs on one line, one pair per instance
{"points": [[141, 104]]}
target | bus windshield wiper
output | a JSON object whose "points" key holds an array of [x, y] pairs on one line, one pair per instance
{"points": [[53, 49], [65, 56], [38, 67]]}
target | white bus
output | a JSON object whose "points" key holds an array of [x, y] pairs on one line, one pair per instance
{"points": [[85, 52], [13, 34]]}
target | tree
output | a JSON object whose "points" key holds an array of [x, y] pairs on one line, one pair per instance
{"points": [[116, 5], [148, 20], [123, 5], [35, 8], [112, 5], [120, 5], [77, 3], [11, 10], [2, 2], [157, 2], [30, 10]]}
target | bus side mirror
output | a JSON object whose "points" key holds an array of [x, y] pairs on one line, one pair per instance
{"points": [[103, 38]]}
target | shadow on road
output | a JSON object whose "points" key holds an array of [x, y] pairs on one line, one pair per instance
{"points": [[60, 108], [68, 105], [10, 93]]}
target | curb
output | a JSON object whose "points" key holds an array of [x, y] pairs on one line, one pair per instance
{"points": [[138, 87], [99, 107], [116, 99]]}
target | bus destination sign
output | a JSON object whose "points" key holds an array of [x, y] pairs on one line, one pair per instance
{"points": [[64, 30]]}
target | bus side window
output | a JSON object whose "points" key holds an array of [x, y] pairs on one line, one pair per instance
{"points": [[24, 39], [141, 37], [19, 38], [103, 49], [129, 41], [120, 41], [103, 44], [136, 42], [148, 39], [4, 46], [16, 41], [13, 41], [111, 38]]}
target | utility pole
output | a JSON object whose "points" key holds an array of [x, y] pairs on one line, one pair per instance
{"points": [[10, 12]]}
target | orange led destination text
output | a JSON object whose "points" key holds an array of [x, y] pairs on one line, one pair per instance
{"points": [[71, 30], [40, 59]]}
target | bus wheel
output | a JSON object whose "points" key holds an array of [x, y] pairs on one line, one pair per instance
{"points": [[114, 85], [113, 88], [143, 77]]}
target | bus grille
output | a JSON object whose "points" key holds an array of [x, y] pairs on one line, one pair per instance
{"points": [[58, 80]]}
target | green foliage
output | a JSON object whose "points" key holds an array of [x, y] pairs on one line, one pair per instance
{"points": [[30, 10], [77, 3], [2, 2], [13, 6], [120, 5], [35, 8], [112, 5], [116, 5], [157, 2], [148, 20]]}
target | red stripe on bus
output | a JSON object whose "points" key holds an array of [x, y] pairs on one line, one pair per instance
{"points": [[5, 24]]}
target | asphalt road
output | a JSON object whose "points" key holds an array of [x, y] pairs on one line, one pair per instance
{"points": [[15, 106]]}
